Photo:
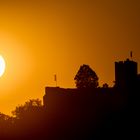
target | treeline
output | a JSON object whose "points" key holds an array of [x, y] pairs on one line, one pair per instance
{"points": [[23, 120]]}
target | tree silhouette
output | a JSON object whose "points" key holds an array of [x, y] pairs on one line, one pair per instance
{"points": [[30, 107], [28, 119], [86, 78], [6, 122]]}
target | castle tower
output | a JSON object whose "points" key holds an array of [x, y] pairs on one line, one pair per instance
{"points": [[125, 73]]}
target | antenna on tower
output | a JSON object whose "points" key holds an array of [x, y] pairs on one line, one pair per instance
{"points": [[131, 54]]}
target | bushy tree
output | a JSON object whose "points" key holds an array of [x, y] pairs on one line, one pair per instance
{"points": [[28, 118], [6, 123], [29, 108], [86, 78]]}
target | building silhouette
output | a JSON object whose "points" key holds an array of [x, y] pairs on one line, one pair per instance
{"points": [[96, 112], [84, 113], [126, 73], [126, 77]]}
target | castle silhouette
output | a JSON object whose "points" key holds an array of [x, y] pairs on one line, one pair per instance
{"points": [[81, 113], [98, 111], [126, 77]]}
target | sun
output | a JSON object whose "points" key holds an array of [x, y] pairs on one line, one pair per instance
{"points": [[2, 65]]}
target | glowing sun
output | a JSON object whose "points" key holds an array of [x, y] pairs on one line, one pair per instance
{"points": [[2, 65]]}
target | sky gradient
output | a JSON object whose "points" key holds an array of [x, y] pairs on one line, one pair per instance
{"points": [[41, 38]]}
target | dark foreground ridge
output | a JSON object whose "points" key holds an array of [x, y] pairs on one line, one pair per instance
{"points": [[83, 113]]}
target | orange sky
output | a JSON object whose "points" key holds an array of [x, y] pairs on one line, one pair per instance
{"points": [[40, 38]]}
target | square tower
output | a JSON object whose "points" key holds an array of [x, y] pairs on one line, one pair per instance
{"points": [[125, 73]]}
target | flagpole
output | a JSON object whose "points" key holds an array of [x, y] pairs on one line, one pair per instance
{"points": [[55, 79], [131, 54]]}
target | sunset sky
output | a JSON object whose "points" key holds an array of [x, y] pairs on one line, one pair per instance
{"points": [[40, 38]]}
